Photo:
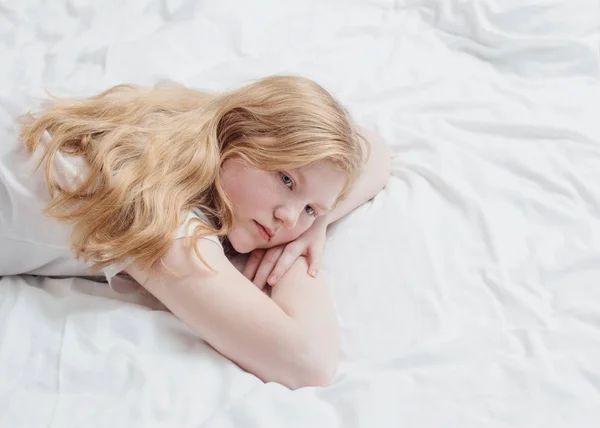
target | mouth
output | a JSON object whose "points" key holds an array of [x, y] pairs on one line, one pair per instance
{"points": [[264, 231]]}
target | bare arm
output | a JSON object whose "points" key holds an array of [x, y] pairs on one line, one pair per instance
{"points": [[292, 338], [373, 178]]}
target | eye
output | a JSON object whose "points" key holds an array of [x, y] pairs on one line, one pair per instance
{"points": [[286, 180], [310, 211]]}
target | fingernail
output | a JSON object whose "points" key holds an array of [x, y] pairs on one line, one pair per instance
{"points": [[272, 279], [313, 273]]}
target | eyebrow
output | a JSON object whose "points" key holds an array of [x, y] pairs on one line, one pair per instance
{"points": [[302, 181]]}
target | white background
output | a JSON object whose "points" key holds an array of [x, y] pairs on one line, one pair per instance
{"points": [[468, 290]]}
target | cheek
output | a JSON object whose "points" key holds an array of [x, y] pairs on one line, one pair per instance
{"points": [[246, 187], [246, 198], [288, 235]]}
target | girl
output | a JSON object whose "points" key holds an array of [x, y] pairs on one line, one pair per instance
{"points": [[157, 185]]}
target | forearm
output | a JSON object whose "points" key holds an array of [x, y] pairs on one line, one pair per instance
{"points": [[291, 338], [373, 178], [307, 301]]}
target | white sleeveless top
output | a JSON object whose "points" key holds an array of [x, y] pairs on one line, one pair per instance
{"points": [[33, 243]]}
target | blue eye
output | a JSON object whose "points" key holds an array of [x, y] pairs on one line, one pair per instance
{"points": [[287, 181], [310, 210]]}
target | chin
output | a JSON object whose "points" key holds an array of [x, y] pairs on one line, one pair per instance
{"points": [[241, 244]]}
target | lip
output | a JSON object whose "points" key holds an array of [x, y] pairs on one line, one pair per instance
{"points": [[264, 231]]}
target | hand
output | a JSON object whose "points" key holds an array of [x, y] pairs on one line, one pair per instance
{"points": [[268, 266]]}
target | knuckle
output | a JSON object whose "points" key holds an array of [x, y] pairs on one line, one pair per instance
{"points": [[288, 259], [296, 245], [292, 251]]}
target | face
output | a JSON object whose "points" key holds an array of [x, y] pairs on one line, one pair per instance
{"points": [[273, 208]]}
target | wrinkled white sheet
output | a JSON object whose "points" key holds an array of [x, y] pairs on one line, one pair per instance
{"points": [[468, 290]]}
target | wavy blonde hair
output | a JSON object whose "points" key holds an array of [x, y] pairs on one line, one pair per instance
{"points": [[153, 154]]}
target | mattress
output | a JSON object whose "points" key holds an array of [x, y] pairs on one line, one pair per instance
{"points": [[468, 290]]}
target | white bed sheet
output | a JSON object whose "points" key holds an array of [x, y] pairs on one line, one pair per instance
{"points": [[468, 290]]}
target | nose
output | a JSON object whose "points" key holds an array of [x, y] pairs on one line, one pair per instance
{"points": [[288, 214]]}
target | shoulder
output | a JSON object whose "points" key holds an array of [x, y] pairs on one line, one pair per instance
{"points": [[193, 219]]}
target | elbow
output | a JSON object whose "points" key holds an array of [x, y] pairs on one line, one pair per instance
{"points": [[319, 375], [382, 173], [316, 366], [310, 377], [379, 165], [385, 172], [386, 165]]}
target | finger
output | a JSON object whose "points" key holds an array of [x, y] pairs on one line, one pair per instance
{"points": [[314, 260], [253, 263], [288, 257], [266, 266]]}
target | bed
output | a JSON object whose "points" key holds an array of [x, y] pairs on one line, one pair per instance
{"points": [[468, 290]]}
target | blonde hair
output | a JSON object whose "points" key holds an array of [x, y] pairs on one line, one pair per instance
{"points": [[155, 153]]}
